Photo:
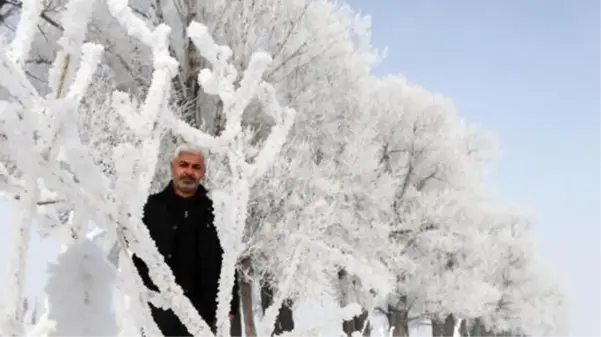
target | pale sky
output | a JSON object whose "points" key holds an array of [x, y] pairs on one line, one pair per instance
{"points": [[529, 71]]}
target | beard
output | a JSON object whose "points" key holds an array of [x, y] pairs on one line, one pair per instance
{"points": [[188, 183]]}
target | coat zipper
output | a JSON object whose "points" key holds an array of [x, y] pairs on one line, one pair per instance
{"points": [[186, 214]]}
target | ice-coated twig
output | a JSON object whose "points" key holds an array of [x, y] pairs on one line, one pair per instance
{"points": [[195, 136], [62, 127], [220, 80], [25, 33], [75, 26], [230, 207], [75, 19], [90, 59], [133, 284], [224, 293], [259, 61], [13, 78], [162, 276], [277, 137], [19, 253], [121, 11], [165, 68]]}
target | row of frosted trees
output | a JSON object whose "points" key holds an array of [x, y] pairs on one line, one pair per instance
{"points": [[329, 183]]}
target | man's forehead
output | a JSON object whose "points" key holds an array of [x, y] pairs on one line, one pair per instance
{"points": [[190, 157]]}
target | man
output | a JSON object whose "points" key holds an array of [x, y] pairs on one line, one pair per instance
{"points": [[180, 221]]}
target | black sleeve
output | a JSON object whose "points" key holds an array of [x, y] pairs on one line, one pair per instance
{"points": [[143, 271], [141, 267], [235, 304]]}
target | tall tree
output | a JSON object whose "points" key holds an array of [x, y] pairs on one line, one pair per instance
{"points": [[428, 153]]}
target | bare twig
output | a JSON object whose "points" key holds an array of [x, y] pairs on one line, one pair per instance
{"points": [[43, 15], [43, 202]]}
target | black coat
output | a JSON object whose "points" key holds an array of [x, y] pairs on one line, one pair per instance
{"points": [[185, 235]]}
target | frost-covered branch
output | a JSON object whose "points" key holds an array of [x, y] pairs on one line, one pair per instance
{"points": [[284, 118], [75, 26], [15, 81], [21, 43], [18, 258]]}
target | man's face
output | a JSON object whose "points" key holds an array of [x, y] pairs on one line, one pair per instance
{"points": [[187, 170]]}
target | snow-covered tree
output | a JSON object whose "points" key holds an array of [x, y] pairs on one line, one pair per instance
{"points": [[428, 169], [440, 217], [531, 300], [50, 137]]}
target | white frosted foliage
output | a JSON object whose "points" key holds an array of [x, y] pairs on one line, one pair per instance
{"points": [[79, 291]]}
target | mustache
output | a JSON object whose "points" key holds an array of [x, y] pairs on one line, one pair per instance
{"points": [[187, 177]]}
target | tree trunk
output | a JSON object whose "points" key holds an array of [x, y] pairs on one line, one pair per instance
{"points": [[356, 324], [348, 285], [364, 320], [236, 326], [285, 320], [437, 327], [477, 328], [246, 298], [444, 328], [463, 330], [399, 322]]}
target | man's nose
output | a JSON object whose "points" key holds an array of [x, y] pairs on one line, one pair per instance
{"points": [[189, 171]]}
